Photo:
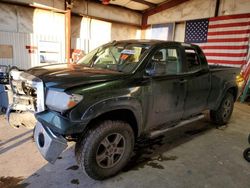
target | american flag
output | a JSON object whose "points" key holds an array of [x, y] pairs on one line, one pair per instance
{"points": [[224, 39]]}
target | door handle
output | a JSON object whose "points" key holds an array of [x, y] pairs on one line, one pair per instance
{"points": [[182, 81]]}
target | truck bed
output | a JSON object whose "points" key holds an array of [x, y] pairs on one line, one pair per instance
{"points": [[221, 67], [221, 76]]}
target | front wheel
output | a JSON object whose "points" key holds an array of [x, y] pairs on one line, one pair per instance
{"points": [[106, 149], [222, 115]]}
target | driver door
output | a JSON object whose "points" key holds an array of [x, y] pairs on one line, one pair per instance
{"points": [[168, 86]]}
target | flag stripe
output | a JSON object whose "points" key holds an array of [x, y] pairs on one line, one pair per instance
{"points": [[227, 54], [247, 31], [229, 25], [230, 17], [226, 58], [229, 40], [227, 36], [225, 47], [223, 44], [228, 29], [230, 51], [215, 22], [226, 62]]}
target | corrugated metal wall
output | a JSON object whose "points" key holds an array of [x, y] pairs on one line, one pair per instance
{"points": [[21, 56], [24, 29]]}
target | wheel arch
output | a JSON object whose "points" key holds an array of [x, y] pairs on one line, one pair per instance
{"points": [[125, 115], [234, 91], [228, 87], [128, 110]]}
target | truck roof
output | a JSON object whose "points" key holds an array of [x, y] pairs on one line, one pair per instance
{"points": [[154, 42]]}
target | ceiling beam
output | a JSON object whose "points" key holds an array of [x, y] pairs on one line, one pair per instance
{"points": [[164, 6], [151, 5], [106, 20]]}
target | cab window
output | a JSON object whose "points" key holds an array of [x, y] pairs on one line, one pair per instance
{"points": [[166, 61], [192, 60]]}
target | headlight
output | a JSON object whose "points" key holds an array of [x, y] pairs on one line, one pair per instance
{"points": [[61, 101]]}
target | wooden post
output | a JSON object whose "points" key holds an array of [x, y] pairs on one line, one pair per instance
{"points": [[67, 32], [217, 6]]}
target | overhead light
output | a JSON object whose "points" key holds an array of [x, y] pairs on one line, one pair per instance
{"points": [[105, 2]]}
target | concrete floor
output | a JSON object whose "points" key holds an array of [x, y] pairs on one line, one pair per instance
{"points": [[197, 155]]}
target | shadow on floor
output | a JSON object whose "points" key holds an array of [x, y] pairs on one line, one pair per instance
{"points": [[15, 137], [149, 152], [16, 141]]}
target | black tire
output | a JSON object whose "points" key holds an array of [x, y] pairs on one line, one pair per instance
{"points": [[222, 115], [100, 143], [246, 154]]}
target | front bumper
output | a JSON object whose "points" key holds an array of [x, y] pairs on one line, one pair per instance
{"points": [[50, 144], [60, 124]]}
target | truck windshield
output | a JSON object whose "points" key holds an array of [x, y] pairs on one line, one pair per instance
{"points": [[122, 57]]}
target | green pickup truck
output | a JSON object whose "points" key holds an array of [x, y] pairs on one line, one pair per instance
{"points": [[119, 92]]}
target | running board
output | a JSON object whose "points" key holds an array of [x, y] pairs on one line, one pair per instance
{"points": [[184, 122]]}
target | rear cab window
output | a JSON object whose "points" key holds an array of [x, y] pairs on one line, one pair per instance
{"points": [[192, 60]]}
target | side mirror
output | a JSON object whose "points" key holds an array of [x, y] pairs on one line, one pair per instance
{"points": [[156, 69], [150, 69]]}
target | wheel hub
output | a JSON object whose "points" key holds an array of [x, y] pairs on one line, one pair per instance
{"points": [[227, 108], [110, 150]]}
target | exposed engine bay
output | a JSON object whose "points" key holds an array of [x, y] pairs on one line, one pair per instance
{"points": [[28, 98]]}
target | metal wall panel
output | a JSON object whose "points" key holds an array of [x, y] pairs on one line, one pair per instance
{"points": [[23, 28], [97, 10], [190, 10], [87, 34], [8, 18], [59, 4], [21, 56]]}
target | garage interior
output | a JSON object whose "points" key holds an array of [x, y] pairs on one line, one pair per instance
{"points": [[42, 32]]}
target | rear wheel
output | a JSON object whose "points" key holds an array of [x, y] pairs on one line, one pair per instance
{"points": [[105, 150], [222, 115], [246, 154]]}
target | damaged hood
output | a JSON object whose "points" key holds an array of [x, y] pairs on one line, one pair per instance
{"points": [[65, 76]]}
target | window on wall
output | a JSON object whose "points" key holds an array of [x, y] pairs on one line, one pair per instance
{"points": [[49, 52], [162, 32], [100, 33]]}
